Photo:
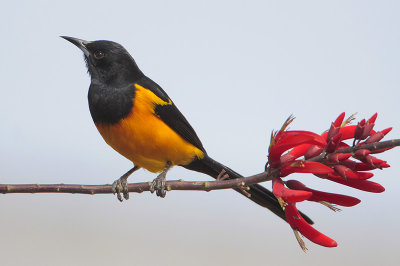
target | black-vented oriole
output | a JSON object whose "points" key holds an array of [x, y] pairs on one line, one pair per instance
{"points": [[136, 118]]}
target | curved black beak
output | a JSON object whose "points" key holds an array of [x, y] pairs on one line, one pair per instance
{"points": [[81, 44]]}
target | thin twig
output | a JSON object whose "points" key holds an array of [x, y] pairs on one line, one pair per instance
{"points": [[371, 146]]}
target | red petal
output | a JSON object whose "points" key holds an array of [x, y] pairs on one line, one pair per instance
{"points": [[357, 166], [300, 150], [347, 132], [378, 136], [313, 151], [287, 158], [318, 196], [338, 122], [297, 222], [364, 175], [373, 118], [345, 172], [359, 129], [338, 157], [333, 143], [386, 130], [369, 125], [333, 131], [367, 130], [305, 167], [373, 161], [364, 185], [361, 154], [288, 140], [288, 195]]}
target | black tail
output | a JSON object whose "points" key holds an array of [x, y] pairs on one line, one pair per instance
{"points": [[259, 194]]}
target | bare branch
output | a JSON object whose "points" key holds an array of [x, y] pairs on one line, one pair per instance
{"points": [[175, 185], [134, 187]]}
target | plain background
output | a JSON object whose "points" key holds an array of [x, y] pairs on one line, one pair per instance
{"points": [[236, 69]]}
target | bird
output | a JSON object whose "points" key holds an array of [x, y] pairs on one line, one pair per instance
{"points": [[138, 119]]}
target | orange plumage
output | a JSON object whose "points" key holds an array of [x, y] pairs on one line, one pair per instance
{"points": [[145, 139]]}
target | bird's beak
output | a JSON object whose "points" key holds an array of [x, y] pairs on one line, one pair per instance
{"points": [[81, 44]]}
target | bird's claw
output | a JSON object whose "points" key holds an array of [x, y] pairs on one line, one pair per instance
{"points": [[120, 185], [158, 185]]}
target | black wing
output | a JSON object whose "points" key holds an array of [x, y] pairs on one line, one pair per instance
{"points": [[171, 115]]}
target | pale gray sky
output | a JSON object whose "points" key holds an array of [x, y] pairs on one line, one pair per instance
{"points": [[236, 69]]}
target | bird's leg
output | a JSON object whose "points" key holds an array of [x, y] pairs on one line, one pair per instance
{"points": [[158, 184], [121, 184]]}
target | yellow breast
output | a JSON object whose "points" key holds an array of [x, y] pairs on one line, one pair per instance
{"points": [[145, 139]]}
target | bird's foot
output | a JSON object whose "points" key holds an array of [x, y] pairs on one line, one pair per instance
{"points": [[158, 185], [120, 185]]}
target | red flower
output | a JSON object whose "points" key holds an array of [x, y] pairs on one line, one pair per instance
{"points": [[323, 157], [364, 185], [377, 136], [284, 194], [304, 167], [299, 224], [320, 196], [285, 140]]}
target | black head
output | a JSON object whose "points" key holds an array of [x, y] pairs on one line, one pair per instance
{"points": [[108, 62]]}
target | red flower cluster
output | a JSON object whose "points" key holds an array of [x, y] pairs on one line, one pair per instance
{"points": [[326, 156]]}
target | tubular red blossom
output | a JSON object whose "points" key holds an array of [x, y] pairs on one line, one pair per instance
{"points": [[333, 143], [339, 120], [373, 161], [319, 196], [300, 150], [338, 157], [359, 129], [385, 165], [347, 132], [377, 136], [341, 170], [363, 185], [288, 157], [313, 151], [286, 140], [330, 165], [298, 223], [288, 195], [372, 119], [367, 130], [369, 125], [333, 131], [364, 175], [361, 154], [346, 173], [357, 166], [305, 167], [386, 130]]}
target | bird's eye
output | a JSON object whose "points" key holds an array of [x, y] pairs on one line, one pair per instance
{"points": [[98, 54]]}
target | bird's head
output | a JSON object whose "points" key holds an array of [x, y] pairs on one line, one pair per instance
{"points": [[108, 62]]}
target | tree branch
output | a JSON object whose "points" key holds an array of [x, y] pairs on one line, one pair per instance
{"points": [[133, 187], [174, 185]]}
